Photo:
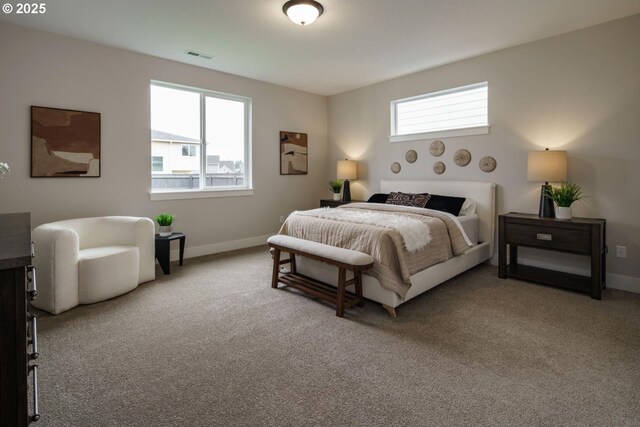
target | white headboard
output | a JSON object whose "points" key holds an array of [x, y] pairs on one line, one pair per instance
{"points": [[483, 193]]}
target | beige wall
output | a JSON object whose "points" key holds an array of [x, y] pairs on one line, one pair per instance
{"points": [[48, 70], [578, 92]]}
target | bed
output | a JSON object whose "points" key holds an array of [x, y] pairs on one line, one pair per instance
{"points": [[479, 226]]}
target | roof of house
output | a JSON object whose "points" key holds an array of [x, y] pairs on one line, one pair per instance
{"points": [[159, 135]]}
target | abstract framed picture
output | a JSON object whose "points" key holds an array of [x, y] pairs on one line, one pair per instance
{"points": [[64, 143], [293, 153]]}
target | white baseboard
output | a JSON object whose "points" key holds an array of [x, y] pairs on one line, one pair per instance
{"points": [[614, 281], [623, 283], [215, 248]]}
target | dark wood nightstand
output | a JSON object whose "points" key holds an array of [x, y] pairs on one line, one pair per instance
{"points": [[330, 203], [582, 236]]}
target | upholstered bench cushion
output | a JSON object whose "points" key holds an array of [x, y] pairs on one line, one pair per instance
{"points": [[342, 255], [106, 272]]}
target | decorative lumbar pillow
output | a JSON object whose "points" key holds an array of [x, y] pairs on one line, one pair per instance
{"points": [[407, 199], [448, 204], [378, 198]]}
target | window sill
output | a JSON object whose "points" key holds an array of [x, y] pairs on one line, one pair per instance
{"points": [[479, 130], [199, 194]]}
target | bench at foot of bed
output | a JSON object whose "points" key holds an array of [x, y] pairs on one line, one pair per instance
{"points": [[344, 259]]}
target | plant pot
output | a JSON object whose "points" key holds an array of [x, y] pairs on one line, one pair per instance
{"points": [[165, 231], [563, 213], [336, 196]]}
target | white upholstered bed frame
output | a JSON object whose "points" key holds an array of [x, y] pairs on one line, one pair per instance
{"points": [[483, 193]]}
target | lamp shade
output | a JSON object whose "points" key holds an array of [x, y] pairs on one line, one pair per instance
{"points": [[302, 12], [547, 166], [347, 169]]}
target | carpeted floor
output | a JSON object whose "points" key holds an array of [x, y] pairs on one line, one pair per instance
{"points": [[213, 344]]}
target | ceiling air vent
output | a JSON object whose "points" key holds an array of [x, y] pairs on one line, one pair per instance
{"points": [[198, 54]]}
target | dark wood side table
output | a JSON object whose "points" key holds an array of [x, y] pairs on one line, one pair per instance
{"points": [[582, 236], [330, 203], [163, 246]]}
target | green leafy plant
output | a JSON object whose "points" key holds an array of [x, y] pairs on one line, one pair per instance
{"points": [[565, 194], [335, 185], [164, 219]]}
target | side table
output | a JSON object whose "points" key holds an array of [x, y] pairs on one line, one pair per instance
{"points": [[163, 245], [581, 236]]}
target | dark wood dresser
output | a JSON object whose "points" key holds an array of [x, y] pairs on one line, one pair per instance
{"points": [[18, 341], [581, 236]]}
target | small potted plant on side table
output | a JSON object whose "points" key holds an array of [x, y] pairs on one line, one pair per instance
{"points": [[564, 196], [164, 221], [335, 187]]}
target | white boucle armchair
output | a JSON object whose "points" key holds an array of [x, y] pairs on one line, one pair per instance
{"points": [[86, 260]]}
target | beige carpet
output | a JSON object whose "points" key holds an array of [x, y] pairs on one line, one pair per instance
{"points": [[213, 344]]}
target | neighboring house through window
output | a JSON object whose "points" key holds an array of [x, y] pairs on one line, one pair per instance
{"points": [[200, 140]]}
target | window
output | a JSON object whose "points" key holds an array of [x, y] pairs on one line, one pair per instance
{"points": [[200, 141], [157, 164], [188, 150], [453, 112]]}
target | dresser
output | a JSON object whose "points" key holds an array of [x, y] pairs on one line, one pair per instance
{"points": [[580, 236], [18, 335]]}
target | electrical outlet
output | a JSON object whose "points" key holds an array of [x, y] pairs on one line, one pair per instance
{"points": [[621, 251]]}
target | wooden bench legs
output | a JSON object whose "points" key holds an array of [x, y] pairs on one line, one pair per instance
{"points": [[316, 288]]}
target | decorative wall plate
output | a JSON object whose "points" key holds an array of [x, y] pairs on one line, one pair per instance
{"points": [[395, 167], [462, 157], [437, 148], [487, 164], [411, 156], [439, 168]]}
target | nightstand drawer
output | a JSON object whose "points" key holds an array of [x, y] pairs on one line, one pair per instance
{"points": [[575, 241]]}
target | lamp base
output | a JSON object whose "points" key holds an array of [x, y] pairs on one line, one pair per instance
{"points": [[545, 209], [346, 191]]}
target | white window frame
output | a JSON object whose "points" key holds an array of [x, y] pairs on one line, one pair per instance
{"points": [[207, 192], [476, 130]]}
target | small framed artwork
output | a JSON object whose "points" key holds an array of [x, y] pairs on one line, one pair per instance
{"points": [[293, 153], [64, 143]]}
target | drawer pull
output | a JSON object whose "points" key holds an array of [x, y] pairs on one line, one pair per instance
{"points": [[33, 338], [36, 412], [542, 236], [31, 278]]}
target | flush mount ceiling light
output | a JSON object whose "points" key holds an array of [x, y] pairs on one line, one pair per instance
{"points": [[302, 12]]}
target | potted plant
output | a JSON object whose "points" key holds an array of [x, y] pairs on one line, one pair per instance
{"points": [[165, 220], [564, 196], [335, 187]]}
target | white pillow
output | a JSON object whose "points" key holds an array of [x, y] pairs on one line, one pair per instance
{"points": [[468, 207]]}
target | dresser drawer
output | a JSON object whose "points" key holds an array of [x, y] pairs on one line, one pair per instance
{"points": [[575, 241]]}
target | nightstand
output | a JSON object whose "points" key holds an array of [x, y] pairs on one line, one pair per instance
{"points": [[581, 236], [330, 203]]}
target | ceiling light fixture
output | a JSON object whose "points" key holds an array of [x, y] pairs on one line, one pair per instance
{"points": [[302, 12]]}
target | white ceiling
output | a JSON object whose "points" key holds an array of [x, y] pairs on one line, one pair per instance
{"points": [[353, 44]]}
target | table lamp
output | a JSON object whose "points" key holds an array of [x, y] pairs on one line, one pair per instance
{"points": [[546, 166], [347, 169]]}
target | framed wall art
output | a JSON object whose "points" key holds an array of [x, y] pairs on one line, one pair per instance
{"points": [[64, 143], [293, 153]]}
